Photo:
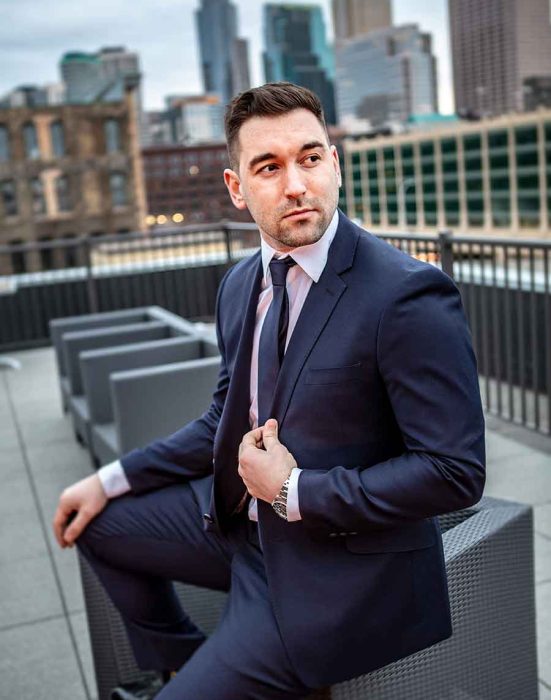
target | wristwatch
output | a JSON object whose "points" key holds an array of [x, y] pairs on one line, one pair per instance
{"points": [[279, 504]]}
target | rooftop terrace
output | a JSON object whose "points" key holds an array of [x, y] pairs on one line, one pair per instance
{"points": [[44, 648]]}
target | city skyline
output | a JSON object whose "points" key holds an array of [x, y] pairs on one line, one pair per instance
{"points": [[164, 34]]}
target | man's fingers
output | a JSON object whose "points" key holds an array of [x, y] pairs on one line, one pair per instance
{"points": [[76, 527], [269, 434], [60, 522], [251, 439]]}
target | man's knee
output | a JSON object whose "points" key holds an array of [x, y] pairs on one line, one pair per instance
{"points": [[104, 524]]}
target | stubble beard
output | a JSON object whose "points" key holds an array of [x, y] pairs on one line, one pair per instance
{"points": [[294, 234]]}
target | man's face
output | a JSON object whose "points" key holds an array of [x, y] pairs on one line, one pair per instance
{"points": [[288, 178]]}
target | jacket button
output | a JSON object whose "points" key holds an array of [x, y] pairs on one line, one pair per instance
{"points": [[207, 517]]}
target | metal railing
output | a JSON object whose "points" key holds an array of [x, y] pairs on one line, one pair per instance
{"points": [[179, 269], [505, 286]]}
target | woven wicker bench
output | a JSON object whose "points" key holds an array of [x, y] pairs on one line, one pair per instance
{"points": [[490, 656]]}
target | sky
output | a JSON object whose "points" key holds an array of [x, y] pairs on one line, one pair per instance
{"points": [[32, 40]]}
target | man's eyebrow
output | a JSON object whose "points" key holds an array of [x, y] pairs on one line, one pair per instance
{"points": [[260, 158], [312, 144], [270, 156]]}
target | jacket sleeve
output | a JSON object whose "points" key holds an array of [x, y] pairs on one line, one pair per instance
{"points": [[426, 361], [187, 453]]}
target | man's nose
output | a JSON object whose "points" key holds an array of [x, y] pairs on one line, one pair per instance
{"points": [[295, 185]]}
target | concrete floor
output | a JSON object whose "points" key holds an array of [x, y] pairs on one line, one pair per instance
{"points": [[44, 647]]}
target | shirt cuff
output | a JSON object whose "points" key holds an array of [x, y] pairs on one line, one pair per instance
{"points": [[293, 511], [113, 479]]}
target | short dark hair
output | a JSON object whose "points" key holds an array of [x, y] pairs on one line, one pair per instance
{"points": [[268, 100]]}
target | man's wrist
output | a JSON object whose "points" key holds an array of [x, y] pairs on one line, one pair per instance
{"points": [[293, 510], [113, 479], [279, 504]]}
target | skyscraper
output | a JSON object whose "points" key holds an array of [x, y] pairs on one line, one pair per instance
{"points": [[354, 17], [116, 61], [296, 50], [496, 46], [386, 75], [87, 74], [91, 76], [195, 118], [82, 74], [241, 79], [218, 45]]}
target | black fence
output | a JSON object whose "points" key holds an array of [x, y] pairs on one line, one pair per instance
{"points": [[506, 289], [505, 285], [179, 269]]}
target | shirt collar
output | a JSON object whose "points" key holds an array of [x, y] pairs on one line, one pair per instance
{"points": [[311, 258]]}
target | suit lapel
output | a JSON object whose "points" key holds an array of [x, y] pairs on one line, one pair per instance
{"points": [[235, 418], [318, 307], [239, 389]]}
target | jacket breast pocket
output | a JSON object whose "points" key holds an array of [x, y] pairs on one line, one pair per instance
{"points": [[404, 539], [334, 375]]}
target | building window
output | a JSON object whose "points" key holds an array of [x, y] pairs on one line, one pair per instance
{"points": [[58, 139], [63, 193], [450, 177], [357, 183], [46, 253], [18, 258], [37, 196], [408, 186], [373, 178], [8, 195], [474, 188], [428, 172], [30, 141], [548, 164], [112, 136], [4, 144], [528, 182], [117, 186], [390, 186], [70, 252], [499, 178]]}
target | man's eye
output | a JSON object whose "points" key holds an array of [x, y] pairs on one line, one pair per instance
{"points": [[314, 158], [270, 168]]}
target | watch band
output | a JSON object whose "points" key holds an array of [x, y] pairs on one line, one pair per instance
{"points": [[279, 504]]}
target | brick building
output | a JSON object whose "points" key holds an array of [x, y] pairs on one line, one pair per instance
{"points": [[185, 185], [69, 171]]}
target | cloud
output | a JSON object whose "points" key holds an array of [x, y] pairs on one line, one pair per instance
{"points": [[33, 41]]}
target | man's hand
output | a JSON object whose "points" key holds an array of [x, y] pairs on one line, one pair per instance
{"points": [[85, 500], [264, 470]]}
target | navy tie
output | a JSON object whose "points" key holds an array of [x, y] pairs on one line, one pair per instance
{"points": [[271, 347]]}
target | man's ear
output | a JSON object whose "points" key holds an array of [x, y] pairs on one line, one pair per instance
{"points": [[233, 183], [336, 163]]}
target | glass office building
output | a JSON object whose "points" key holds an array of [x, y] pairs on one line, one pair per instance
{"points": [[487, 177], [224, 57], [297, 51], [386, 75]]}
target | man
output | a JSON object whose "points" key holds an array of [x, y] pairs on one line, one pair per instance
{"points": [[346, 417]]}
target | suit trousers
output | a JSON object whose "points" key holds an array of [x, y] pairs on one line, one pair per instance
{"points": [[138, 545]]}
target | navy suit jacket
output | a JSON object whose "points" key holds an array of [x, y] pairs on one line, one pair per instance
{"points": [[378, 401]]}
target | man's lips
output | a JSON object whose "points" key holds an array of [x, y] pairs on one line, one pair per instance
{"points": [[298, 212]]}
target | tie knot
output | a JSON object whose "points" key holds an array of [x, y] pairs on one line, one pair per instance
{"points": [[279, 269]]}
